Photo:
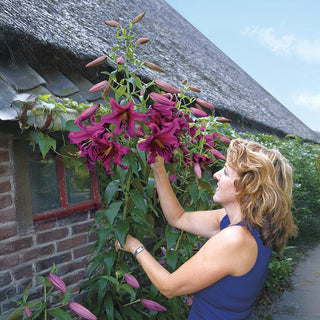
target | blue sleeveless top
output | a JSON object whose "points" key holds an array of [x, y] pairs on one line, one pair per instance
{"points": [[233, 298]]}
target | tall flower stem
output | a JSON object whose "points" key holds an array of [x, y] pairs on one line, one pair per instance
{"points": [[127, 193]]}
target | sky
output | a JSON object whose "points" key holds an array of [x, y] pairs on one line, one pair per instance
{"points": [[277, 42]]}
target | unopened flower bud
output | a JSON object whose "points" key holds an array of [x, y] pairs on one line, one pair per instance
{"points": [[28, 312], [222, 120], [138, 17], [152, 305], [198, 106], [111, 23], [194, 89], [224, 139], [96, 62], [166, 87], [81, 311], [153, 66], [204, 103], [142, 40], [57, 282], [131, 281], [184, 82], [120, 60], [198, 113], [217, 154], [99, 86]]}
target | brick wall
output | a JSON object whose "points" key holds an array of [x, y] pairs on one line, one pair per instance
{"points": [[63, 241]]}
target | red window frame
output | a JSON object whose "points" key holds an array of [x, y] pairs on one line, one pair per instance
{"points": [[67, 209]]}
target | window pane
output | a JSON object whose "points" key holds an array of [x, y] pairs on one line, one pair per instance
{"points": [[44, 183], [78, 185]]}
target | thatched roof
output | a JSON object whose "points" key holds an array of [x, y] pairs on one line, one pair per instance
{"points": [[68, 34]]}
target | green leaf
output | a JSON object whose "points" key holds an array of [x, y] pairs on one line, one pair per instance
{"points": [[71, 127], [128, 289], [66, 296], [172, 237], [133, 82], [109, 259], [45, 143], [109, 192], [120, 92], [113, 210], [59, 314], [102, 236], [96, 261], [102, 285], [108, 306], [122, 230], [172, 258], [193, 189], [139, 200]]}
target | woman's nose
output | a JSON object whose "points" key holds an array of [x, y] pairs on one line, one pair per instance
{"points": [[216, 175]]}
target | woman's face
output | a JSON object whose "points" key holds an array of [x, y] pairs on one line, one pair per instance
{"points": [[225, 192]]}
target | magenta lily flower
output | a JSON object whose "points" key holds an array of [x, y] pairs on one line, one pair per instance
{"points": [[109, 151], [81, 311], [152, 305], [161, 142], [132, 281], [57, 282], [124, 117]]}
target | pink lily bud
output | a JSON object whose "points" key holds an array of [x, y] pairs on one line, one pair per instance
{"points": [[222, 120], [120, 60], [81, 311], [217, 154], [198, 113], [153, 66], [27, 311], [99, 86], [197, 170], [57, 282], [194, 89], [184, 81], [173, 178], [142, 40], [131, 281], [152, 305], [138, 17], [111, 23], [205, 103], [166, 87], [198, 106], [96, 62], [224, 139]]}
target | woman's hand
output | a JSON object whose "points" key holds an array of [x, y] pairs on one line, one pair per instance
{"points": [[158, 164], [130, 245]]}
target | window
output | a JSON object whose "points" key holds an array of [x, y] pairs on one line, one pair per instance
{"points": [[58, 191]]}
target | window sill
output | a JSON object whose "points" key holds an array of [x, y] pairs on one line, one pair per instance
{"points": [[60, 212]]}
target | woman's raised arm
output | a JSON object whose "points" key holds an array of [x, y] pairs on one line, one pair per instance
{"points": [[202, 223]]}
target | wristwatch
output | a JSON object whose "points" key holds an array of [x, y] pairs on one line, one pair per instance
{"points": [[138, 250]]}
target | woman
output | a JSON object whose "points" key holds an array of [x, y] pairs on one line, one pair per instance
{"points": [[228, 272]]}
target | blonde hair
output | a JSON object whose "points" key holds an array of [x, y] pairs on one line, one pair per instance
{"points": [[264, 190]]}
